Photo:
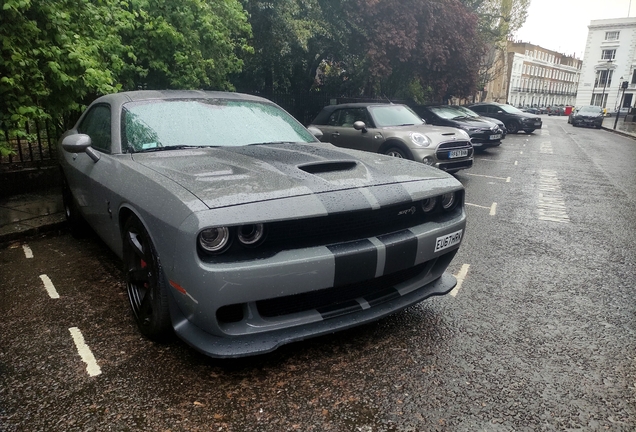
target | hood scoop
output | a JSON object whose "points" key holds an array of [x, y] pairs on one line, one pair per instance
{"points": [[448, 133], [327, 167]]}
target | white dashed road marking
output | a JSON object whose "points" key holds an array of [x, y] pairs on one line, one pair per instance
{"points": [[460, 279], [516, 162], [85, 353], [546, 147], [551, 202], [507, 179], [492, 208], [48, 285], [27, 251]]}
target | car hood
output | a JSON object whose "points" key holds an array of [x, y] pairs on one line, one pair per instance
{"points": [[229, 176], [436, 134], [589, 115], [474, 122]]}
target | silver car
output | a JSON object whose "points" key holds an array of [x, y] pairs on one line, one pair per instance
{"points": [[240, 231], [397, 131]]}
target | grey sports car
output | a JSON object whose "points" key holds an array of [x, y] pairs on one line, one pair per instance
{"points": [[241, 232]]}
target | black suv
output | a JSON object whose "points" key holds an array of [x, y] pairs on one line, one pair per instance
{"points": [[483, 133], [514, 119]]}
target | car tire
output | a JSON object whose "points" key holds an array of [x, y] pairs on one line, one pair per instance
{"points": [[77, 225], [396, 152], [145, 282], [513, 127], [528, 131]]}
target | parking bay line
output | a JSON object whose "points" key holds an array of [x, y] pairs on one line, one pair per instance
{"points": [[85, 353], [507, 179], [492, 208], [27, 251], [460, 279], [50, 288]]}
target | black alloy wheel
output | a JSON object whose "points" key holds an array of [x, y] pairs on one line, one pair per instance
{"points": [[145, 282], [512, 126]]}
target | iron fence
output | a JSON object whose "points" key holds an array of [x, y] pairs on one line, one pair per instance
{"points": [[34, 147]]}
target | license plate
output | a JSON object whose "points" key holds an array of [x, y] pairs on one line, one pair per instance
{"points": [[494, 137], [457, 153], [537, 123], [448, 240]]}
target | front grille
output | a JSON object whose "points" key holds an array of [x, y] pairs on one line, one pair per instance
{"points": [[453, 145], [331, 297]]}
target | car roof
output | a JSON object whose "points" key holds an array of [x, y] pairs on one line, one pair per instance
{"points": [[141, 95]]}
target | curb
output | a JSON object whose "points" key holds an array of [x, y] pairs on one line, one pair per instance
{"points": [[619, 132], [59, 223]]}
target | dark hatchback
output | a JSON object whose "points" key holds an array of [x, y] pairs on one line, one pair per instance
{"points": [[483, 133], [587, 116], [514, 119]]}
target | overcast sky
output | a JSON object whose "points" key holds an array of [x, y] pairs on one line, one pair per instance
{"points": [[561, 25]]}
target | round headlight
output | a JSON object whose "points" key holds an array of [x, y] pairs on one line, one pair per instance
{"points": [[448, 200], [420, 139], [429, 204], [250, 235], [214, 240]]}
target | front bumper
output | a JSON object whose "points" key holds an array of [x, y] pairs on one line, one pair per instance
{"points": [[243, 308]]}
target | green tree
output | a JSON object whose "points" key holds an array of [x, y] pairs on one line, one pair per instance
{"points": [[185, 44], [57, 56]]}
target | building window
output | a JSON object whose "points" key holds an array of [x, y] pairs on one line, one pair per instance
{"points": [[608, 54], [634, 77], [603, 78], [612, 35]]}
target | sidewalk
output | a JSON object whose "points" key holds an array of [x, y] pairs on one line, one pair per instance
{"points": [[31, 213], [623, 128]]}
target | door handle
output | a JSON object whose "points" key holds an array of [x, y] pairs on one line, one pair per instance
{"points": [[335, 134]]}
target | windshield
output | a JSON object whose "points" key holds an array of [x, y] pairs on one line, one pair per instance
{"points": [[178, 123], [466, 111], [449, 112], [591, 109], [394, 115], [509, 109]]}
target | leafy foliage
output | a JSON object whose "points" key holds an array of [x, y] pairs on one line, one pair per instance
{"points": [[59, 55]]}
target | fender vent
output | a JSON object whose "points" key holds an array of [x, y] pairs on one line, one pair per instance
{"points": [[328, 167]]}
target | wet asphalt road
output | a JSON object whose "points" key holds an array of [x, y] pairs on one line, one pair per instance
{"points": [[541, 335]]}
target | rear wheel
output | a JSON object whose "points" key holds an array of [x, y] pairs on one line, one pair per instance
{"points": [[513, 127], [145, 282]]}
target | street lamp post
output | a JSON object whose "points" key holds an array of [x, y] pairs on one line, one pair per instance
{"points": [[609, 65]]}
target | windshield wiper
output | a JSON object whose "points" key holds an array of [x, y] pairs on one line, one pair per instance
{"points": [[172, 147], [460, 117]]}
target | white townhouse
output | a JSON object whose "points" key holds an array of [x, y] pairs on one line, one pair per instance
{"points": [[609, 60]]}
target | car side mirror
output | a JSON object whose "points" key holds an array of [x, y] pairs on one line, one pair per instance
{"points": [[359, 125], [80, 143], [315, 132], [499, 112], [424, 121]]}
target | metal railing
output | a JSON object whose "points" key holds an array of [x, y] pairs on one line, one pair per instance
{"points": [[35, 146]]}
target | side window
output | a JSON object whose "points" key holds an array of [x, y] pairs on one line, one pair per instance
{"points": [[96, 125], [333, 118], [479, 109], [351, 115]]}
